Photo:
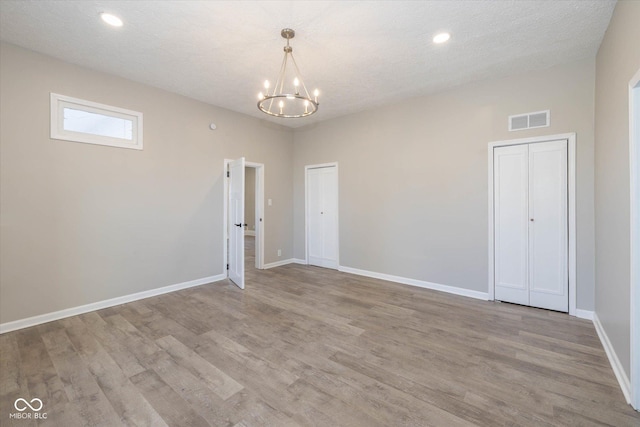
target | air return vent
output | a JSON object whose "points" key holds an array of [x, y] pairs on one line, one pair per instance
{"points": [[539, 119]]}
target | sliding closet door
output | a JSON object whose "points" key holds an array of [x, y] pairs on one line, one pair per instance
{"points": [[548, 226], [511, 227], [531, 226]]}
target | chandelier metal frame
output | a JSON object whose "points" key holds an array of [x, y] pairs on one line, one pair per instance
{"points": [[294, 104]]}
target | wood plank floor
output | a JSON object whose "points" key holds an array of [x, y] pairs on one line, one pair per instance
{"points": [[312, 347]]}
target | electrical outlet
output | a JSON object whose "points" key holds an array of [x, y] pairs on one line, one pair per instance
{"points": [[279, 252]]}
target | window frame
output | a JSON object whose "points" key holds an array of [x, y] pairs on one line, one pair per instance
{"points": [[59, 102]]}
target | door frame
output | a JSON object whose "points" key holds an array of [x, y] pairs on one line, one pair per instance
{"points": [[634, 214], [571, 211], [260, 225], [259, 212], [306, 209]]}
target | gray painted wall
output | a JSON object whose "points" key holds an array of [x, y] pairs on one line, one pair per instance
{"points": [[83, 223], [413, 176], [617, 61]]}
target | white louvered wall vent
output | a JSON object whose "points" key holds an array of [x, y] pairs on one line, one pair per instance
{"points": [[539, 119]]}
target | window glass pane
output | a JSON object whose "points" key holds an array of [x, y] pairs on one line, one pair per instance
{"points": [[97, 124]]}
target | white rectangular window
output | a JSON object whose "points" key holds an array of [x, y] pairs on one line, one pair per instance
{"points": [[77, 120]]}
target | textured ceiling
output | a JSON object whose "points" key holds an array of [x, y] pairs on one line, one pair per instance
{"points": [[360, 54]]}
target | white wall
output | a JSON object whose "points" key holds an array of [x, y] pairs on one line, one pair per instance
{"points": [[617, 61], [82, 223], [413, 176]]}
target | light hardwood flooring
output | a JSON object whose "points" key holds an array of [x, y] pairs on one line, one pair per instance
{"points": [[309, 346]]}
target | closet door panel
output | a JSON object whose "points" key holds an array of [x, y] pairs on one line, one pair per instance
{"points": [[548, 226], [322, 217], [511, 224], [330, 217], [315, 234]]}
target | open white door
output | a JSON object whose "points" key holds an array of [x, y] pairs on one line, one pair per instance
{"points": [[236, 221]]}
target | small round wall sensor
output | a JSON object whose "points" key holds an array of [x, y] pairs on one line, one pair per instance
{"points": [[213, 126]]}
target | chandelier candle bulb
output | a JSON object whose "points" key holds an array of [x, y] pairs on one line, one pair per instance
{"points": [[281, 106], [296, 83], [316, 93]]}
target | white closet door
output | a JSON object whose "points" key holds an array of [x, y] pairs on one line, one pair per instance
{"points": [[511, 224], [531, 225], [548, 226], [315, 227], [322, 216]]}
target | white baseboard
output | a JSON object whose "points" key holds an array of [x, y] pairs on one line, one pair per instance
{"points": [[278, 263], [249, 232], [621, 376], [74, 311], [285, 262], [584, 314], [419, 283]]}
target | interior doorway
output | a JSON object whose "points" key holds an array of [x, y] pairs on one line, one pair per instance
{"points": [[239, 213], [634, 172]]}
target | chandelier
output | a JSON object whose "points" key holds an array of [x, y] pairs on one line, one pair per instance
{"points": [[289, 98]]}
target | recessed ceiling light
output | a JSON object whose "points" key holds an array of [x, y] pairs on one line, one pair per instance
{"points": [[441, 38], [111, 19]]}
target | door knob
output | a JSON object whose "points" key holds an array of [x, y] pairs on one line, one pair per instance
{"points": [[238, 225], [531, 220]]}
